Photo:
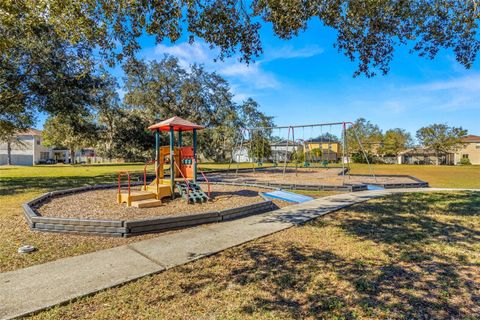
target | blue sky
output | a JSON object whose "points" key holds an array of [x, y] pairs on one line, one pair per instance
{"points": [[305, 80]]}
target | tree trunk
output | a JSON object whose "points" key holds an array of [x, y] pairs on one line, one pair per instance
{"points": [[9, 153], [72, 156]]}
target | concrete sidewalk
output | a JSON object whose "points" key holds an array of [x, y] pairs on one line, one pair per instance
{"points": [[38, 287]]}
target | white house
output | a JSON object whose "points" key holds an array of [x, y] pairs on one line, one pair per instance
{"points": [[283, 148], [241, 155], [27, 150]]}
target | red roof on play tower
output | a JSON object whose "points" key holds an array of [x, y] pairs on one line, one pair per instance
{"points": [[177, 123]]}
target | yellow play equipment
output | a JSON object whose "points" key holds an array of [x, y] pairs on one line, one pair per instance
{"points": [[183, 170]]}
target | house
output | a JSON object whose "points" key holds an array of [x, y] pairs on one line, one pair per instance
{"points": [[241, 154], [470, 149], [419, 155], [26, 149], [282, 149], [330, 149]]}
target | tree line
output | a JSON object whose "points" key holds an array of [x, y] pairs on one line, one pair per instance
{"points": [[439, 138], [154, 91]]}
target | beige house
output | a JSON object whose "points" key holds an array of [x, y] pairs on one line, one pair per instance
{"points": [[470, 149]]}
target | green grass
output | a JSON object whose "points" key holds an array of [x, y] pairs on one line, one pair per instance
{"points": [[436, 176], [20, 184], [411, 256]]}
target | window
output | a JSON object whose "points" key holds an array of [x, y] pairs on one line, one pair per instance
{"points": [[465, 156], [44, 155], [38, 142]]}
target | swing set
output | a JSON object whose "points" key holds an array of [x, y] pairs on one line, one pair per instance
{"points": [[318, 152]]}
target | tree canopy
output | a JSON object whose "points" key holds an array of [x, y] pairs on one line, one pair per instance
{"points": [[441, 138], [42, 72], [367, 31], [363, 136], [395, 141], [161, 89]]}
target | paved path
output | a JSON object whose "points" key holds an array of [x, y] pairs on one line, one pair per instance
{"points": [[38, 287]]}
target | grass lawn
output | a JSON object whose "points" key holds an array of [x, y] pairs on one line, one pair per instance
{"points": [[20, 184], [436, 176], [411, 256]]}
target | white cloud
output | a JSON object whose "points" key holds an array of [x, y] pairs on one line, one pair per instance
{"points": [[465, 83], [436, 97], [186, 53], [248, 79], [289, 52]]}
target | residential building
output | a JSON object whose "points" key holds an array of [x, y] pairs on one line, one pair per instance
{"points": [[470, 149], [26, 149], [282, 149], [330, 150]]}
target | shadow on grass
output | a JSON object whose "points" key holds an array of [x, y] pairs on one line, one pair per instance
{"points": [[9, 186], [406, 281]]}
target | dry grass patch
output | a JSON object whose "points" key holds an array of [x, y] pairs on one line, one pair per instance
{"points": [[412, 256], [20, 184]]}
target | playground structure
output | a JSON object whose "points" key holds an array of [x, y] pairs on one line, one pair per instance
{"points": [[182, 161]]}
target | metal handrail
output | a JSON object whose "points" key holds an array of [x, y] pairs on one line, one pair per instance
{"points": [[145, 173], [120, 173], [186, 181], [208, 182]]}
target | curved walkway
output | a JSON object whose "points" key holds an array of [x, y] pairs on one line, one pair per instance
{"points": [[39, 287]]}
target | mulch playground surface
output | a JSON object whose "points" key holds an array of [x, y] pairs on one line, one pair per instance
{"points": [[306, 176], [101, 204]]}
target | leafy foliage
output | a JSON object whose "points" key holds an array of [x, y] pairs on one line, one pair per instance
{"points": [[367, 31], [42, 72], [395, 141], [71, 132], [465, 162], [363, 136], [162, 89], [441, 138]]}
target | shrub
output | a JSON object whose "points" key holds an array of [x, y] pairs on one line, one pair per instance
{"points": [[465, 162]]}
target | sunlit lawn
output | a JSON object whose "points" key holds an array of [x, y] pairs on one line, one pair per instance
{"points": [[436, 176], [20, 184], [412, 256]]}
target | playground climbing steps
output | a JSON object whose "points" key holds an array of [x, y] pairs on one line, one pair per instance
{"points": [[141, 199], [193, 191]]}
